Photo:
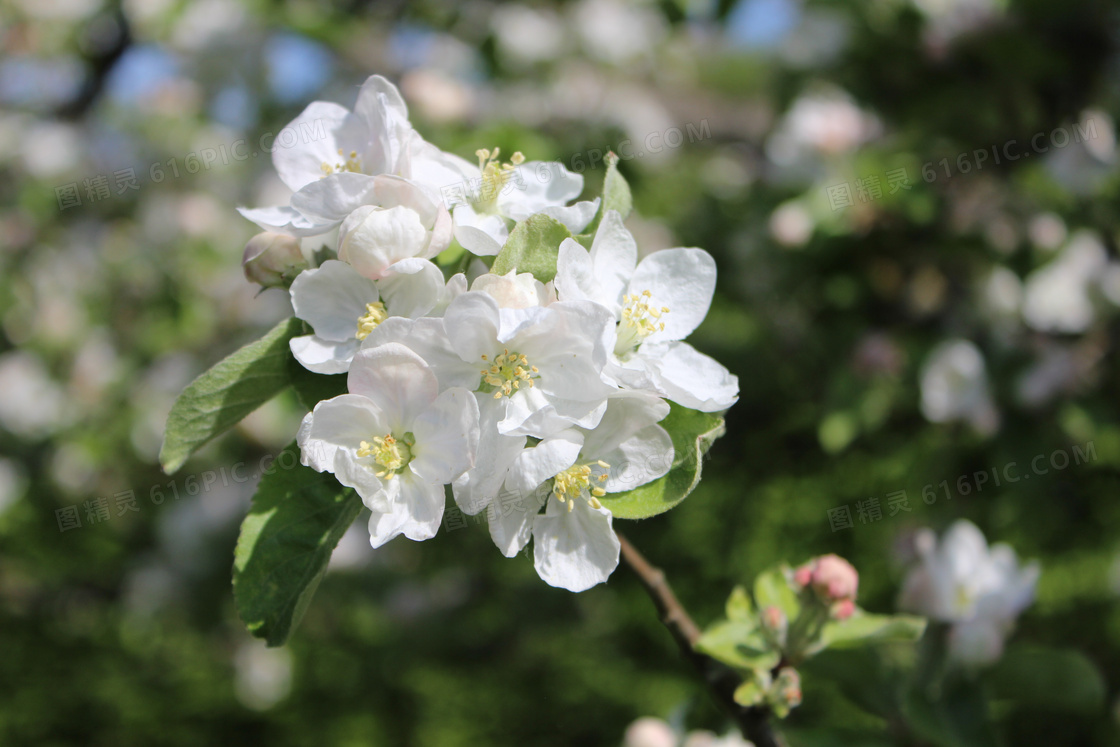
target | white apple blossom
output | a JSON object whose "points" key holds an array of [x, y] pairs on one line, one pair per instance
{"points": [[395, 439], [574, 545], [339, 160], [535, 371], [977, 589], [343, 307], [656, 303], [373, 239], [1058, 296], [515, 290], [489, 197], [954, 386]]}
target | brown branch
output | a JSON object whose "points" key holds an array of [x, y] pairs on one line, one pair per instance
{"points": [[722, 681]]}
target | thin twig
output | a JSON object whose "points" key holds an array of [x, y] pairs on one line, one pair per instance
{"points": [[722, 681]]}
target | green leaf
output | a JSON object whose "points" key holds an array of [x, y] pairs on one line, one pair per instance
{"points": [[738, 644], [313, 388], [952, 713], [692, 433], [866, 676], [219, 399], [771, 589], [297, 518], [862, 629], [616, 190], [616, 196], [739, 607], [750, 693], [533, 246], [1050, 679]]}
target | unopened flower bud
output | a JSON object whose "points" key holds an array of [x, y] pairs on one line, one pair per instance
{"points": [[649, 732], [785, 693], [803, 576], [273, 259], [843, 609], [775, 623], [830, 576], [835, 578]]}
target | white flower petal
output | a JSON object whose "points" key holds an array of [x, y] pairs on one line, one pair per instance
{"points": [[324, 356], [412, 287], [361, 475], [339, 423], [575, 217], [425, 503], [511, 517], [471, 322], [681, 279], [321, 130], [642, 458], [575, 549], [329, 200], [539, 185], [576, 279], [614, 254], [446, 437], [426, 337], [442, 175], [691, 378], [976, 642], [627, 413], [479, 486], [372, 238], [285, 219], [385, 116], [397, 380], [331, 298], [479, 233], [387, 523], [544, 461], [537, 415]]}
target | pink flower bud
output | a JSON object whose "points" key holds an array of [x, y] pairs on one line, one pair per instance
{"points": [[803, 576], [649, 732], [834, 578], [843, 609], [786, 690], [273, 259], [773, 618]]}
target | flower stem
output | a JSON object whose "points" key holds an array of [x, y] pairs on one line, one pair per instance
{"points": [[754, 722]]}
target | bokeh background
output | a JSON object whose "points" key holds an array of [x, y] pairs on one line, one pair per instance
{"points": [[896, 320]]}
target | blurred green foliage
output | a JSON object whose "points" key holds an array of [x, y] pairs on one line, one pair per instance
{"points": [[123, 632]]}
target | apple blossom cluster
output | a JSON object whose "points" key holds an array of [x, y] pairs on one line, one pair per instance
{"points": [[543, 394], [834, 582], [978, 590]]}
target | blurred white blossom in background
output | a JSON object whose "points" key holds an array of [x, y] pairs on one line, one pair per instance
{"points": [[954, 385], [979, 590]]}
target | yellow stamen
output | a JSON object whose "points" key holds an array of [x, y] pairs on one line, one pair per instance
{"points": [[388, 453], [640, 319], [575, 482], [353, 163], [508, 372], [375, 314], [494, 175]]}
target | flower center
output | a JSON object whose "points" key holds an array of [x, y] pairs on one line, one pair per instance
{"points": [[352, 163], [507, 372], [494, 176], [575, 482], [963, 599], [639, 321], [388, 453], [367, 322]]}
